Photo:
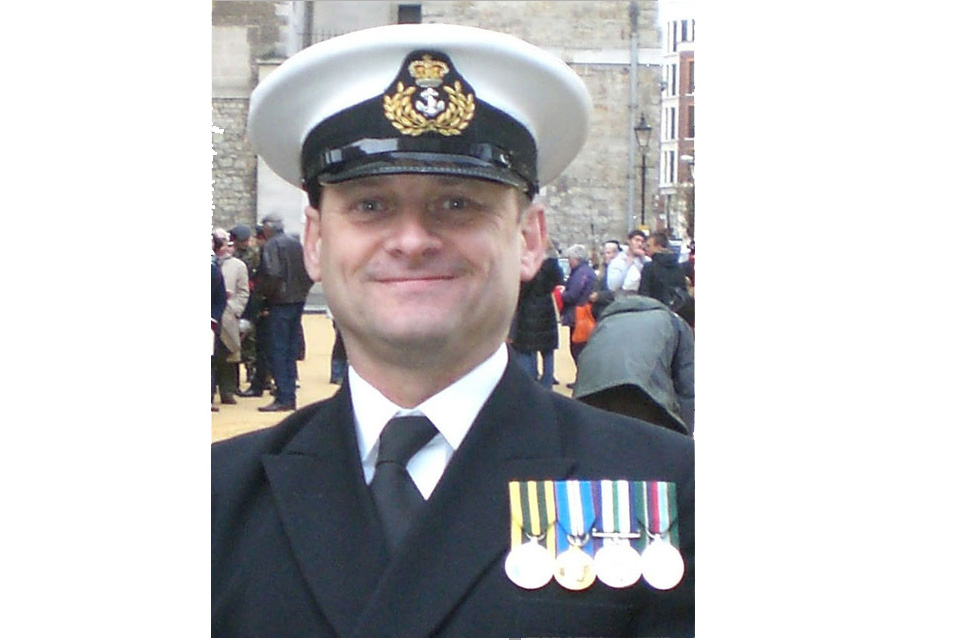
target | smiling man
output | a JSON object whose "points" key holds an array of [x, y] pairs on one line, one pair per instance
{"points": [[441, 491]]}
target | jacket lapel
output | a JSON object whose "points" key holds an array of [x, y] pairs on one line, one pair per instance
{"points": [[327, 514], [465, 526]]}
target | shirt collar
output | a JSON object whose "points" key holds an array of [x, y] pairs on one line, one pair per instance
{"points": [[452, 410]]}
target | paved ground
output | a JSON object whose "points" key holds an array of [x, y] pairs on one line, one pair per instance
{"points": [[315, 384]]}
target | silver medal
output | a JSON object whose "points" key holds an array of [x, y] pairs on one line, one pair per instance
{"points": [[618, 565], [529, 566], [662, 564]]}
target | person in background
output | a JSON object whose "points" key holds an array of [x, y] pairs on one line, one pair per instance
{"points": [[227, 353], [639, 362], [534, 329], [284, 283], [663, 278], [218, 302], [246, 250], [637, 259], [576, 292]]}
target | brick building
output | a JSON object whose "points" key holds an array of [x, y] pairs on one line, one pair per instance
{"points": [[615, 46]]}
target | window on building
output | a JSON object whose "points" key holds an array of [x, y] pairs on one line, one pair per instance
{"points": [[690, 128], [409, 14], [673, 40], [690, 76], [672, 166], [673, 79], [673, 123]]}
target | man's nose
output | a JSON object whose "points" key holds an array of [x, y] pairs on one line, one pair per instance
{"points": [[413, 234]]}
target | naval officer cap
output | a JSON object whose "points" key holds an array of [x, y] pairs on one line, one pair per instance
{"points": [[424, 98]]}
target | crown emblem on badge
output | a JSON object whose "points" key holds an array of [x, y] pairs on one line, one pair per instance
{"points": [[420, 108], [428, 72]]}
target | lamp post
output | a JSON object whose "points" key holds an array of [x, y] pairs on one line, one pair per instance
{"points": [[642, 131]]}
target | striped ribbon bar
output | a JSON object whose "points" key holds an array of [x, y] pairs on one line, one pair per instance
{"points": [[533, 513]]}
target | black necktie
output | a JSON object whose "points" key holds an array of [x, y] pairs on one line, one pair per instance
{"points": [[394, 493]]}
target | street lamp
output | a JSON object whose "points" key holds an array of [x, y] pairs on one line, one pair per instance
{"points": [[642, 130]]}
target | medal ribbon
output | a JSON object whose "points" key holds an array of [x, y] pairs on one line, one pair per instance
{"points": [[575, 512], [533, 512], [660, 509], [615, 512]]}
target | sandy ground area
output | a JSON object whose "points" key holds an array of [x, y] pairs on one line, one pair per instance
{"points": [[315, 385]]}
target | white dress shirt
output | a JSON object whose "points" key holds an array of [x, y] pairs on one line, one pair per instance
{"points": [[452, 411]]}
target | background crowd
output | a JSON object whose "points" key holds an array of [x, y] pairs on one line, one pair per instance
{"points": [[631, 327]]}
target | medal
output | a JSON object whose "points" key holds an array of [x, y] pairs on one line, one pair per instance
{"points": [[617, 563], [662, 564], [529, 564], [575, 515], [574, 569]]}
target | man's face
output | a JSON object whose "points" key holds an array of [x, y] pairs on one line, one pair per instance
{"points": [[610, 252], [422, 267], [636, 246]]}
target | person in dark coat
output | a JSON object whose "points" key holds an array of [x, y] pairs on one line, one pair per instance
{"points": [[408, 504], [639, 362], [534, 328], [663, 279], [218, 303]]}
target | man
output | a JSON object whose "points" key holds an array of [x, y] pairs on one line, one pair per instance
{"points": [[422, 226], [636, 260], [663, 278], [615, 266], [226, 355], [284, 283]]}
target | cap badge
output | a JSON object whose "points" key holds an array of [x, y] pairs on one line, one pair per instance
{"points": [[420, 108]]}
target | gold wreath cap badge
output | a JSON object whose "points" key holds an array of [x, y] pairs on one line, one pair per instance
{"points": [[421, 108]]}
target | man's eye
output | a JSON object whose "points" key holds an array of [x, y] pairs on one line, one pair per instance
{"points": [[455, 203], [370, 206]]}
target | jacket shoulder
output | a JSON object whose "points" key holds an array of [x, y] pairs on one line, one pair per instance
{"points": [[609, 443]]}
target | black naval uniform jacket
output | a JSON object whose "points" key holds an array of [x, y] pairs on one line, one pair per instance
{"points": [[298, 552]]}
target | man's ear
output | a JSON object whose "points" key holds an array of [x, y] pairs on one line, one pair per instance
{"points": [[533, 233], [311, 243]]}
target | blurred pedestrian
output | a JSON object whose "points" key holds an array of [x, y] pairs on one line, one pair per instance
{"points": [[576, 292], [534, 331], [639, 362], [256, 312], [218, 302], [637, 259], [246, 249], [662, 277], [284, 282], [226, 356]]}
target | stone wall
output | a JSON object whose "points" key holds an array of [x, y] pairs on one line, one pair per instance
{"points": [[243, 32], [234, 165]]}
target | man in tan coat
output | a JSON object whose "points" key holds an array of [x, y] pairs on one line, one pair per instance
{"points": [[227, 350]]}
